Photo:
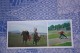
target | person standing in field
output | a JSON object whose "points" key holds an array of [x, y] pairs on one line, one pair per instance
{"points": [[62, 35]]}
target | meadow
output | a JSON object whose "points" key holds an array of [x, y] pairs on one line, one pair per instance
{"points": [[15, 40], [54, 40], [63, 44]]}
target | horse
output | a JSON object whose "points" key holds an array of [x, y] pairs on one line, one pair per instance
{"points": [[26, 36]]}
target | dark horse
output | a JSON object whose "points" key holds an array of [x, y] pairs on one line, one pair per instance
{"points": [[36, 38], [25, 35]]}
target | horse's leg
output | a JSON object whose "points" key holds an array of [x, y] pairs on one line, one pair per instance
{"points": [[33, 41], [23, 41], [26, 40], [36, 42]]}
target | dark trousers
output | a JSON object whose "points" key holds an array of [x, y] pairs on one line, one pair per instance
{"points": [[62, 35]]}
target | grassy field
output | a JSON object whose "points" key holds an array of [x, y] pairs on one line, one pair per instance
{"points": [[55, 34], [63, 44], [15, 40]]}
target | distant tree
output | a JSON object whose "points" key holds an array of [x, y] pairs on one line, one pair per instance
{"points": [[51, 27], [65, 26], [56, 27]]}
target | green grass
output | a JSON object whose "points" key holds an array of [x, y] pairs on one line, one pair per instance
{"points": [[55, 34], [63, 44], [15, 40], [51, 36]]}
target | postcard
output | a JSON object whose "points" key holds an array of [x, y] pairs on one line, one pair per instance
{"points": [[40, 33]]}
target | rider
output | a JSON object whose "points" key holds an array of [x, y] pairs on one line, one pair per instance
{"points": [[35, 37]]}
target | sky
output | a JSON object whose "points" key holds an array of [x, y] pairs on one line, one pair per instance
{"points": [[41, 25], [27, 25]]}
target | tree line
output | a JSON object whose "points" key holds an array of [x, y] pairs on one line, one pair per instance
{"points": [[64, 26]]}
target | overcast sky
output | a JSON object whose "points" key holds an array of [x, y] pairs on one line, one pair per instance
{"points": [[27, 25]]}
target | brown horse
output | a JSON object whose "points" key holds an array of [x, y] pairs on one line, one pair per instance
{"points": [[26, 36]]}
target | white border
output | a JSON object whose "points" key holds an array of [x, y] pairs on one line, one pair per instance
{"points": [[71, 33], [47, 36]]}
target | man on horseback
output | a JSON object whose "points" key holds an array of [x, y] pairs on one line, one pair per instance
{"points": [[35, 37]]}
